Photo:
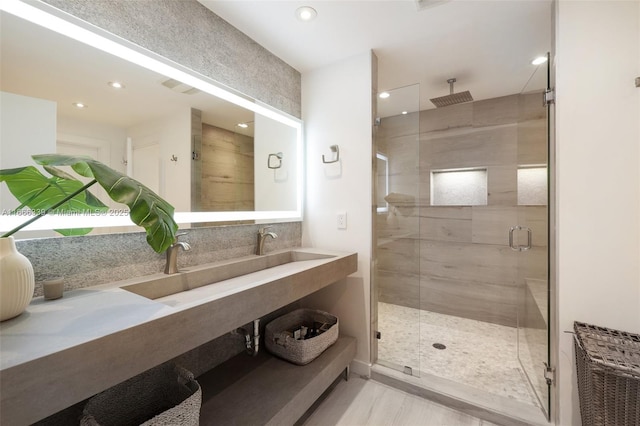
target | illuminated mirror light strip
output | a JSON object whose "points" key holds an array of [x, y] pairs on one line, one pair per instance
{"points": [[59, 25], [102, 221], [47, 20]]}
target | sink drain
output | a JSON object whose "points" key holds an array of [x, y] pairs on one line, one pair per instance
{"points": [[439, 346]]}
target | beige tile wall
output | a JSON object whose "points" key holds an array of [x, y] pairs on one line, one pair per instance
{"points": [[456, 260], [227, 170]]}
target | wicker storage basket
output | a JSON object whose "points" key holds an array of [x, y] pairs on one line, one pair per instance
{"points": [[608, 364], [164, 395], [279, 341]]}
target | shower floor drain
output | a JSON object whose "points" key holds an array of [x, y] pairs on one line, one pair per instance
{"points": [[439, 346]]}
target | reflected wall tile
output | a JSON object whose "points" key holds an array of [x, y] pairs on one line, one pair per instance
{"points": [[478, 148], [491, 224], [443, 212], [535, 217], [399, 125], [403, 153], [502, 185], [400, 254], [479, 301], [436, 225], [399, 288], [532, 142], [451, 117], [531, 106], [533, 264], [469, 262], [491, 112]]}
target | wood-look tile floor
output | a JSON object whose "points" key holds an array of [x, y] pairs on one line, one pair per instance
{"points": [[362, 402]]}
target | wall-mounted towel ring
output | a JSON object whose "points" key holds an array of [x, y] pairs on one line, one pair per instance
{"points": [[334, 148], [277, 162]]}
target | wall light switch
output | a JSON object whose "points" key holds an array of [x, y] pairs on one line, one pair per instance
{"points": [[342, 220]]}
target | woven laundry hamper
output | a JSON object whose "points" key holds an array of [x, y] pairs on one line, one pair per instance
{"points": [[164, 395], [608, 364], [279, 342]]}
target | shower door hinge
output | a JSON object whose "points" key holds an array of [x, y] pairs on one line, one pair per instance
{"points": [[549, 374], [549, 97]]}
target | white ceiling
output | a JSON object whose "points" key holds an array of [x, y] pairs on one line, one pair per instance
{"points": [[486, 45], [39, 63]]}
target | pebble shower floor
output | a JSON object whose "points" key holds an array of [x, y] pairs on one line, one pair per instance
{"points": [[478, 354]]}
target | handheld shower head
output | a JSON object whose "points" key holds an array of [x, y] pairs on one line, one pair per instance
{"points": [[452, 98]]}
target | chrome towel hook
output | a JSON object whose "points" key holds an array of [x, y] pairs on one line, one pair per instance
{"points": [[278, 160], [334, 148]]}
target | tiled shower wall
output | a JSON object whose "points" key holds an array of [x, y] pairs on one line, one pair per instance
{"points": [[456, 259]]}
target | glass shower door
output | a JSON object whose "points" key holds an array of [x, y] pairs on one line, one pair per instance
{"points": [[396, 271], [531, 238]]}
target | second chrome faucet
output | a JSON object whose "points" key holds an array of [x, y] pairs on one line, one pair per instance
{"points": [[171, 267], [262, 235]]}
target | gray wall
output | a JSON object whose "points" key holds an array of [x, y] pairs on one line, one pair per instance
{"points": [[456, 260]]}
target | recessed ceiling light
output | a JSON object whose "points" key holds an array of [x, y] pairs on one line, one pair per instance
{"points": [[243, 125], [404, 113], [80, 105], [384, 95], [306, 13], [116, 84], [539, 60]]}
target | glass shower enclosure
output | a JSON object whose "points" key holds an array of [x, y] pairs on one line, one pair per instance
{"points": [[397, 229], [460, 270]]}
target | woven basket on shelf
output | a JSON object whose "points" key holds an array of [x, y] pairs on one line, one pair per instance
{"points": [[608, 364], [164, 395], [279, 341]]}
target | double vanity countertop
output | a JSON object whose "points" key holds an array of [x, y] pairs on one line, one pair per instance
{"points": [[61, 352]]}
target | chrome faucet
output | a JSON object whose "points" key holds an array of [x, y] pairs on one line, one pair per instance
{"points": [[172, 254], [262, 235]]}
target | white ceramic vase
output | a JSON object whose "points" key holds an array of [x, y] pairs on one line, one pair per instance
{"points": [[17, 280]]}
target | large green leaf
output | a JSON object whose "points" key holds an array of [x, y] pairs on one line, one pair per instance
{"points": [[147, 209], [40, 193]]}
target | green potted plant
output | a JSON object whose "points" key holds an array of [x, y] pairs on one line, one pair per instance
{"points": [[63, 193]]}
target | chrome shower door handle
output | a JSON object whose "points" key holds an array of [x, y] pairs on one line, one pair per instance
{"points": [[519, 247], [528, 246], [511, 230]]}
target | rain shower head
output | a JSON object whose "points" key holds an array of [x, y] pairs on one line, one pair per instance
{"points": [[452, 98]]}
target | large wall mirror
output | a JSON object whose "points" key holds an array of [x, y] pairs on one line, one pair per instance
{"points": [[217, 156]]}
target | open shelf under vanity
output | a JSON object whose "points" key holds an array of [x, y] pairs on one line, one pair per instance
{"points": [[265, 390]]}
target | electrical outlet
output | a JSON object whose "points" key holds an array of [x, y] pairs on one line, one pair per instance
{"points": [[342, 220]]}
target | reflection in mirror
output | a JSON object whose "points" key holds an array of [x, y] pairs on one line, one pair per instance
{"points": [[200, 152]]}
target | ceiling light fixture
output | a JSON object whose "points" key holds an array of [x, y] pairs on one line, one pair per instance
{"points": [[384, 95], [80, 105], [116, 85], [405, 112], [539, 60], [306, 13], [243, 125]]}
